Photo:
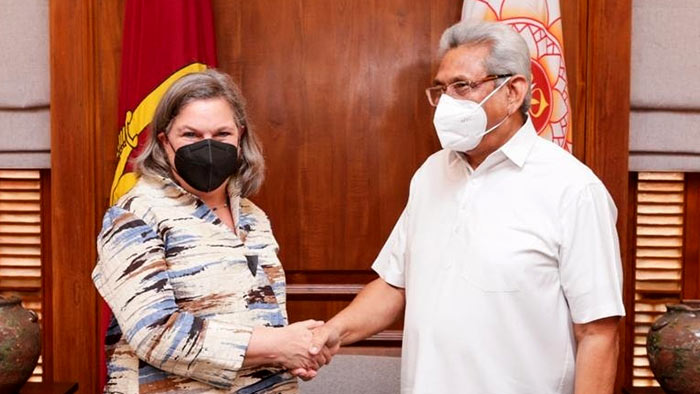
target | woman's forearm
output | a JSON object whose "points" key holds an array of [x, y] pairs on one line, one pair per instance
{"points": [[261, 348]]}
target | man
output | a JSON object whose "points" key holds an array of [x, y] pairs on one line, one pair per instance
{"points": [[506, 258]]}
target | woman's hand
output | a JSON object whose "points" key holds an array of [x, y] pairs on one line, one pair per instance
{"points": [[287, 347], [293, 342]]}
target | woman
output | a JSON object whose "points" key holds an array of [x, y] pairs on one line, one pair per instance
{"points": [[188, 265]]}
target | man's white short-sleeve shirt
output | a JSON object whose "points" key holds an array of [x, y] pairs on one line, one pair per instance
{"points": [[497, 264]]}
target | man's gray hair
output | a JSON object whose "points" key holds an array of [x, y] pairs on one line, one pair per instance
{"points": [[508, 52], [208, 84]]}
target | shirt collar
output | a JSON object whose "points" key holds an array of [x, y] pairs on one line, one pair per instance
{"points": [[518, 147]]}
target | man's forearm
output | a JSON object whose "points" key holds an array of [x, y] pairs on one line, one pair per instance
{"points": [[596, 363], [376, 307]]}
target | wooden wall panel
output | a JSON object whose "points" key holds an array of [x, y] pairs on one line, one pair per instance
{"points": [[335, 90], [85, 53], [607, 126], [607, 95], [73, 214], [574, 16]]}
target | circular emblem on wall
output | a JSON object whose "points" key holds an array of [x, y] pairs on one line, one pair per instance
{"points": [[550, 111]]}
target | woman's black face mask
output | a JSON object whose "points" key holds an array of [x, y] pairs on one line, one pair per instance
{"points": [[206, 164]]}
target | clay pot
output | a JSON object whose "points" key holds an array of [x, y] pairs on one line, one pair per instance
{"points": [[673, 347], [20, 344]]}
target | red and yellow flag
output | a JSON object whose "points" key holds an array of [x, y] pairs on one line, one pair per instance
{"points": [[539, 23], [163, 40]]}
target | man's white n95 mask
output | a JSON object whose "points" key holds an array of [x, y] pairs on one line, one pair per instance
{"points": [[461, 124]]}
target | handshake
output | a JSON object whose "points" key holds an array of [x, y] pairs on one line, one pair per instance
{"points": [[302, 348], [317, 343]]}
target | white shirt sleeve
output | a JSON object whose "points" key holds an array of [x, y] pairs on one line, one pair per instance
{"points": [[390, 263], [590, 267]]}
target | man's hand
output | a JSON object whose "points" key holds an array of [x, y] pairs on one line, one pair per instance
{"points": [[325, 336]]}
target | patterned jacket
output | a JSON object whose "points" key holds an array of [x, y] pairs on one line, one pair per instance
{"points": [[186, 292]]}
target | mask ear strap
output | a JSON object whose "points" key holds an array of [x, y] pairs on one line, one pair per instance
{"points": [[507, 115], [497, 124], [488, 96]]}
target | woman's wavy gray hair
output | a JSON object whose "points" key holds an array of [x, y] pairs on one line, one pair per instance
{"points": [[204, 85], [508, 51]]}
